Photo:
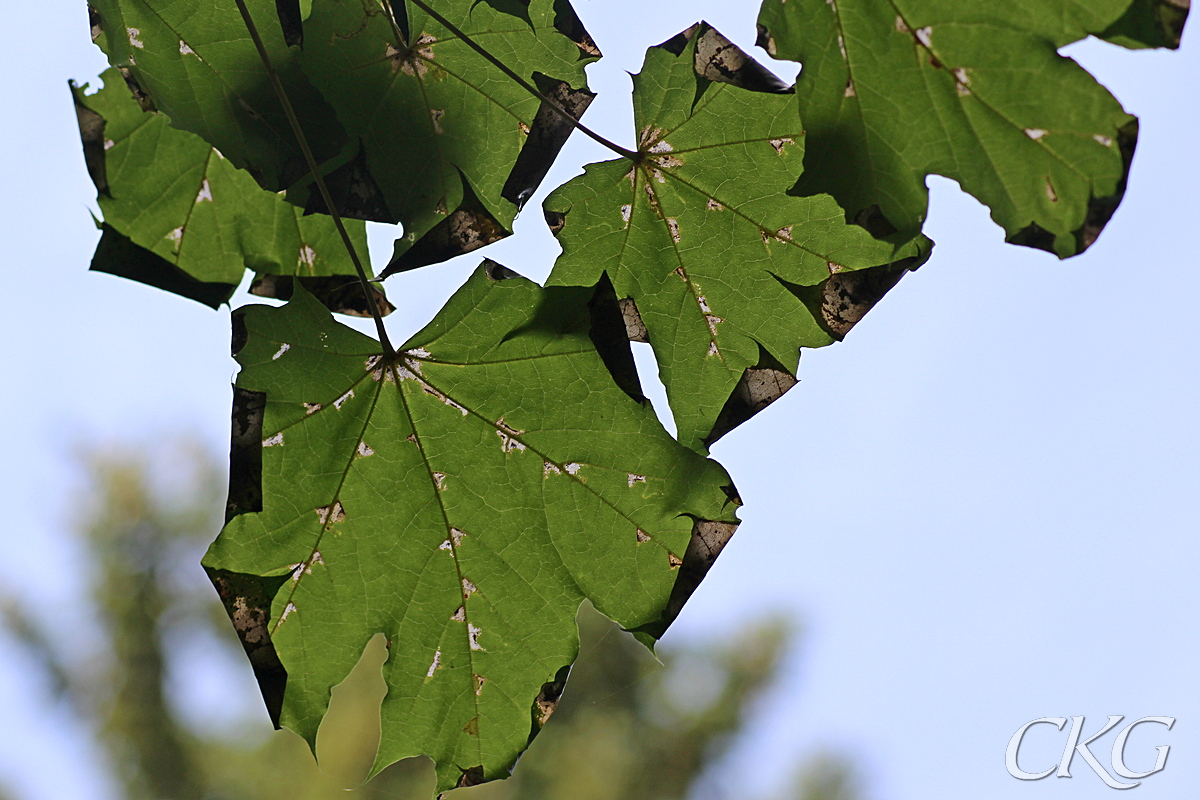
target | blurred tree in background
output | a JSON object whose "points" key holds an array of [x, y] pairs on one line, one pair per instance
{"points": [[627, 728]]}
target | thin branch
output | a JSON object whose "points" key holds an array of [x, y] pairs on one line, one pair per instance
{"points": [[524, 84], [316, 174]]}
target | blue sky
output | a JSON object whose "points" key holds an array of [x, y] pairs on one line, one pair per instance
{"points": [[982, 506]]}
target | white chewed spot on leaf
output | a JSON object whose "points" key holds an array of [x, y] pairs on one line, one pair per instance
{"points": [[283, 348], [175, 235], [925, 36], [330, 515], [900, 26], [713, 350], [778, 144], [439, 478], [508, 436], [473, 636], [272, 441], [713, 205], [572, 468], [849, 91], [635, 478], [1035, 133], [341, 400], [673, 560], [1050, 193], [365, 450], [435, 115], [479, 682], [642, 537], [185, 50], [312, 408], [205, 192], [1104, 140], [962, 82], [287, 612], [550, 469], [109, 144], [626, 213], [307, 258], [468, 588], [437, 662], [456, 536], [673, 226], [134, 41], [459, 615]]}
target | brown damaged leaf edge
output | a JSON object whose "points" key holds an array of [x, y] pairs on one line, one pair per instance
{"points": [[718, 59], [291, 21], [839, 302], [247, 598], [117, 254], [547, 701], [545, 139], [758, 387], [467, 228], [91, 134], [341, 294]]}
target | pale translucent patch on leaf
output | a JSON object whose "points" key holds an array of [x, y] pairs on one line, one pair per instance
{"points": [[1104, 140], [682, 275], [713, 320], [365, 450], [642, 536], [311, 408], [713, 350], [779, 144], [842, 46], [134, 41], [456, 536], [1050, 193], [419, 352], [626, 213], [331, 515], [473, 636], [272, 441], [341, 400], [468, 588], [713, 205], [108, 144], [673, 560], [572, 468], [479, 682], [901, 26], [550, 469], [508, 436], [635, 478], [176, 235], [437, 662], [649, 135], [283, 348], [849, 89], [459, 615], [673, 225], [439, 395], [205, 192], [702, 301], [961, 82], [784, 233], [662, 146], [308, 257], [439, 478], [412, 62], [524, 128], [658, 176], [1035, 133], [834, 267], [925, 36], [287, 611], [185, 50], [435, 115]]}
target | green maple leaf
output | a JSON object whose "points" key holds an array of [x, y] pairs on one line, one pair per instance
{"points": [[178, 215], [728, 272], [441, 127], [894, 90], [462, 498]]}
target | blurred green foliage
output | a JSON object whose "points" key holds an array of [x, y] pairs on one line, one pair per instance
{"points": [[627, 727]]}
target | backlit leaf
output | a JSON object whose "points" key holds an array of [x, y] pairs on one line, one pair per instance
{"points": [[728, 272], [462, 498], [894, 90]]}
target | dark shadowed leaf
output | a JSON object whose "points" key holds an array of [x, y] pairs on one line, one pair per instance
{"points": [[201, 221]]}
